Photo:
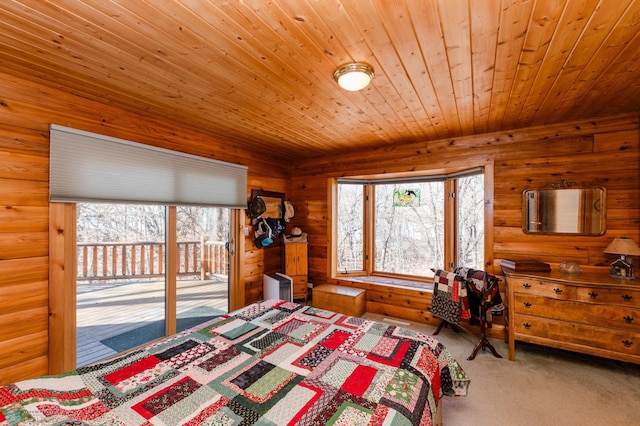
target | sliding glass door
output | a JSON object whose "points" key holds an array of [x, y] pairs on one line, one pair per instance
{"points": [[145, 271]]}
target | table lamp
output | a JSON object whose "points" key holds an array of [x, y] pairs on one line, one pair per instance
{"points": [[623, 267]]}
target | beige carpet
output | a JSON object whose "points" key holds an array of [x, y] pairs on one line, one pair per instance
{"points": [[542, 387]]}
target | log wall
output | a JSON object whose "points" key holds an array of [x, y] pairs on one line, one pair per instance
{"points": [[26, 110], [604, 152], [601, 152]]}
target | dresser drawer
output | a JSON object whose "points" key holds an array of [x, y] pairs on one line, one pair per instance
{"points": [[548, 330], [614, 296], [623, 318], [541, 288]]}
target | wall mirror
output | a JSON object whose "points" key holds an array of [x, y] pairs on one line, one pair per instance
{"points": [[273, 201], [576, 211]]}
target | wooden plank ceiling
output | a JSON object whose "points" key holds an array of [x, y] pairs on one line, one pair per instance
{"points": [[259, 73]]}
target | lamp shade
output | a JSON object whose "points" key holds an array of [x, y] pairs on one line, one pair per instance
{"points": [[625, 246], [354, 76]]}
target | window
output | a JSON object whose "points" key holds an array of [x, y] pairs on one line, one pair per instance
{"points": [[351, 227], [470, 213], [415, 224], [409, 228]]}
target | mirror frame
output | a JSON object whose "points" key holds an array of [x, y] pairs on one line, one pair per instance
{"points": [[563, 186]]}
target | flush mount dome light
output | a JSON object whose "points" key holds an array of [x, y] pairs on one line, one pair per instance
{"points": [[354, 76]]}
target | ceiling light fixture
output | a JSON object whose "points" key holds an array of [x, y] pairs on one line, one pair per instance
{"points": [[354, 76]]}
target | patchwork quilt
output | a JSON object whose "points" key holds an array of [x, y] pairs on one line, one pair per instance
{"points": [[270, 363]]}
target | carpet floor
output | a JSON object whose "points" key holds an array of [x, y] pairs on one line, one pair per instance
{"points": [[542, 387], [156, 329]]}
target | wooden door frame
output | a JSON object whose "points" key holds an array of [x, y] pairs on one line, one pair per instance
{"points": [[62, 287]]}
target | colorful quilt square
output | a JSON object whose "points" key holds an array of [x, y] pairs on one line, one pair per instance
{"points": [[219, 359], [350, 414], [409, 395], [215, 414], [293, 406], [252, 374], [314, 357], [335, 339], [320, 313], [131, 370], [359, 380], [138, 373], [385, 347], [289, 306], [367, 342], [239, 331], [300, 328], [281, 353], [334, 409], [395, 358], [338, 372], [165, 398], [256, 310], [378, 328], [426, 362], [275, 317], [404, 388], [186, 407], [185, 355], [257, 381], [349, 322], [176, 350], [268, 384], [268, 340]]}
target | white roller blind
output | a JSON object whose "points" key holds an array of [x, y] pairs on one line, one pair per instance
{"points": [[87, 167]]}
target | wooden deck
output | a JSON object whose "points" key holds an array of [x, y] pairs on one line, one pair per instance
{"points": [[108, 310]]}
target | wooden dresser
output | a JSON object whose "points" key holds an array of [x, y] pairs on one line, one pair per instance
{"points": [[587, 312]]}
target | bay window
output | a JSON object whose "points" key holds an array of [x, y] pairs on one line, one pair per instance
{"points": [[405, 227]]}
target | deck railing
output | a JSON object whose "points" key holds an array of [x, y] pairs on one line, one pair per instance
{"points": [[114, 261]]}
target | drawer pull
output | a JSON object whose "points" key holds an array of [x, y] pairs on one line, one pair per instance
{"points": [[628, 319], [527, 304], [627, 343], [526, 325], [627, 298], [593, 294], [526, 285], [557, 290]]}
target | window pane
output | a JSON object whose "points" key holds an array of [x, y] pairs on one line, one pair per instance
{"points": [[471, 221], [409, 234], [203, 264], [120, 278], [350, 227]]}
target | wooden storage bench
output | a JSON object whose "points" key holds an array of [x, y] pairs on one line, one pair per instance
{"points": [[346, 300]]}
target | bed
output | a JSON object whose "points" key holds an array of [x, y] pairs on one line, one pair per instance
{"points": [[269, 363]]}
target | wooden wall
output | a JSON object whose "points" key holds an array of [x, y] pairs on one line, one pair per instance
{"points": [[26, 110], [601, 152]]}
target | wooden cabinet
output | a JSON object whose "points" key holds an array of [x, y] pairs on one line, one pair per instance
{"points": [[296, 266], [588, 312]]}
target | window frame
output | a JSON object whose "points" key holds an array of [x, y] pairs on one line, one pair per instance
{"points": [[450, 206]]}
